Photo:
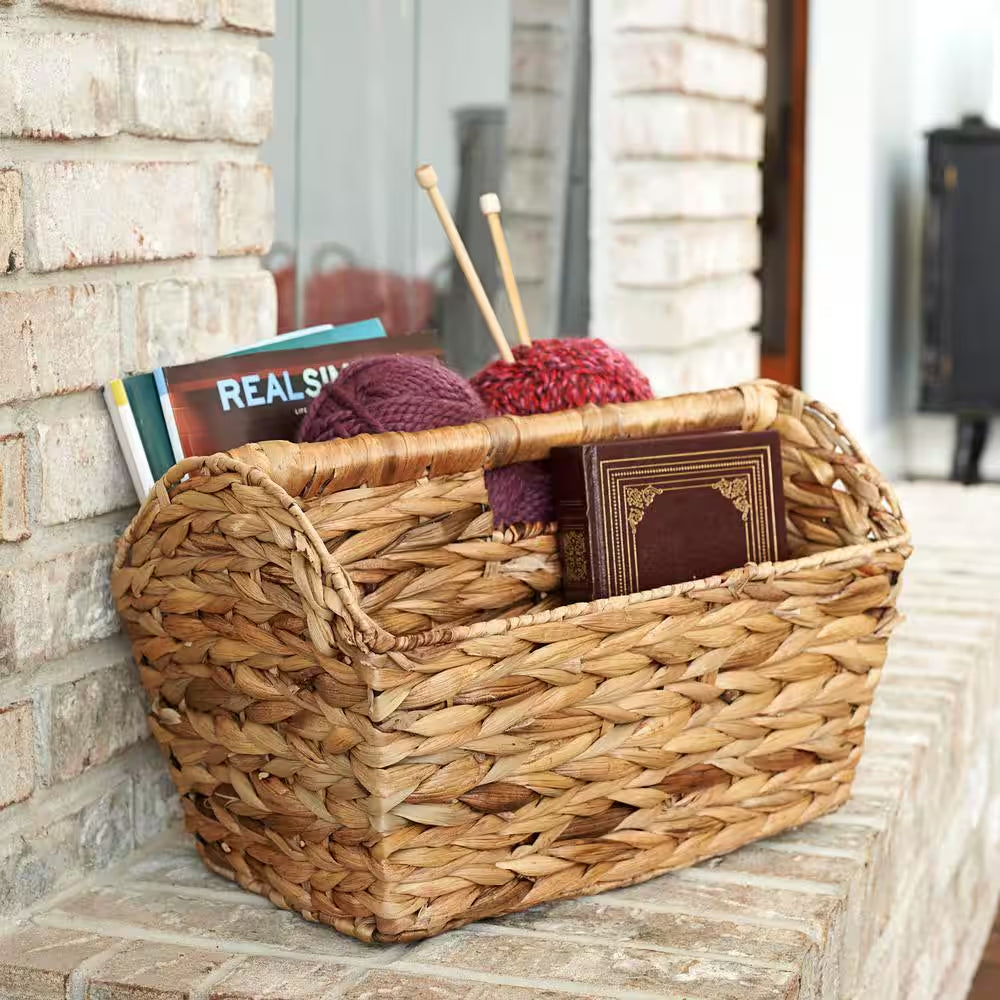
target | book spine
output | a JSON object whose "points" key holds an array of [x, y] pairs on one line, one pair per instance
{"points": [[597, 549], [145, 403], [127, 433], [168, 414], [575, 549]]}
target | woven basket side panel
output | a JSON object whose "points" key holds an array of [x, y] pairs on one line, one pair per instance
{"points": [[237, 637], [423, 554], [570, 758]]}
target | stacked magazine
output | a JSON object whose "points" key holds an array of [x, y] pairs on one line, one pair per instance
{"points": [[257, 393]]}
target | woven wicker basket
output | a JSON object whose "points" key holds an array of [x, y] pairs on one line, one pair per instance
{"points": [[377, 717]]}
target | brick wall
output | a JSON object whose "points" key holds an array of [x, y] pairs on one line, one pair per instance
{"points": [[539, 118], [677, 136], [132, 212]]}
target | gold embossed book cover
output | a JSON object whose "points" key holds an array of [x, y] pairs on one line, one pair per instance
{"points": [[635, 515]]}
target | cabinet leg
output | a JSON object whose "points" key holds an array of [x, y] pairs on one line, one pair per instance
{"points": [[970, 441]]}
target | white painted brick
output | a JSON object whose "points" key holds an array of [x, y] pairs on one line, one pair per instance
{"points": [[81, 467], [724, 361], [541, 13], [55, 605], [11, 223], [183, 11], [539, 61], [255, 16], [653, 319], [97, 212], [536, 123], [538, 310], [17, 737], [758, 23], [56, 86], [680, 126], [13, 488], [530, 187], [179, 93], [186, 320], [674, 61], [530, 244], [739, 20], [58, 340], [666, 189], [666, 254], [245, 208]]}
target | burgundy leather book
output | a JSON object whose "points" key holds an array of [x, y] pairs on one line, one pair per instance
{"points": [[634, 515]]}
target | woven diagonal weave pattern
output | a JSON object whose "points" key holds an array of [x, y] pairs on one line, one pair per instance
{"points": [[377, 716]]}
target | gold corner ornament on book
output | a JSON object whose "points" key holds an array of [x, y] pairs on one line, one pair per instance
{"points": [[636, 515]]}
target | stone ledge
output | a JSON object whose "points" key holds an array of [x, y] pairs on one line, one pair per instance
{"points": [[890, 897]]}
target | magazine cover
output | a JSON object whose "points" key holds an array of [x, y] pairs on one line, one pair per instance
{"points": [[223, 403]]}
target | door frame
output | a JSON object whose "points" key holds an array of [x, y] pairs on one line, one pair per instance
{"points": [[786, 366]]}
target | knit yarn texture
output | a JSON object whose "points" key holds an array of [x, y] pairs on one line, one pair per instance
{"points": [[551, 375], [400, 392], [395, 392]]}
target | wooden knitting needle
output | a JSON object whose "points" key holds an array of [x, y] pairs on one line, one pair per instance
{"points": [[427, 179], [490, 206]]}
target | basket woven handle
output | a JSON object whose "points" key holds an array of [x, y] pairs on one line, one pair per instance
{"points": [[382, 459]]}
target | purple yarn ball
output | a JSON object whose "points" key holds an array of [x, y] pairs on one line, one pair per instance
{"points": [[403, 392], [395, 392]]}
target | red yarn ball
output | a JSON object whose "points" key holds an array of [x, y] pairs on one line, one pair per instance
{"points": [[552, 375]]}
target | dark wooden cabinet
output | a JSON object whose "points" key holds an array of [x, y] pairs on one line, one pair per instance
{"points": [[961, 272]]}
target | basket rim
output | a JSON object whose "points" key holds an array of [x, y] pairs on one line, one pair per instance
{"points": [[369, 637]]}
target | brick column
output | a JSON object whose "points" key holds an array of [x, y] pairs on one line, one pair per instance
{"points": [[132, 213], [539, 121], [676, 142]]}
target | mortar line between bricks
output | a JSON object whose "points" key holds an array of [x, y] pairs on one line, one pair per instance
{"points": [[680, 91], [694, 345], [203, 990], [678, 157], [123, 147], [47, 20], [539, 90], [138, 272], [710, 282], [723, 41], [219, 895], [114, 928], [804, 886], [55, 539], [79, 979], [852, 819], [499, 930], [555, 985], [817, 850], [90, 659], [709, 910], [713, 280], [350, 980], [654, 223]]}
